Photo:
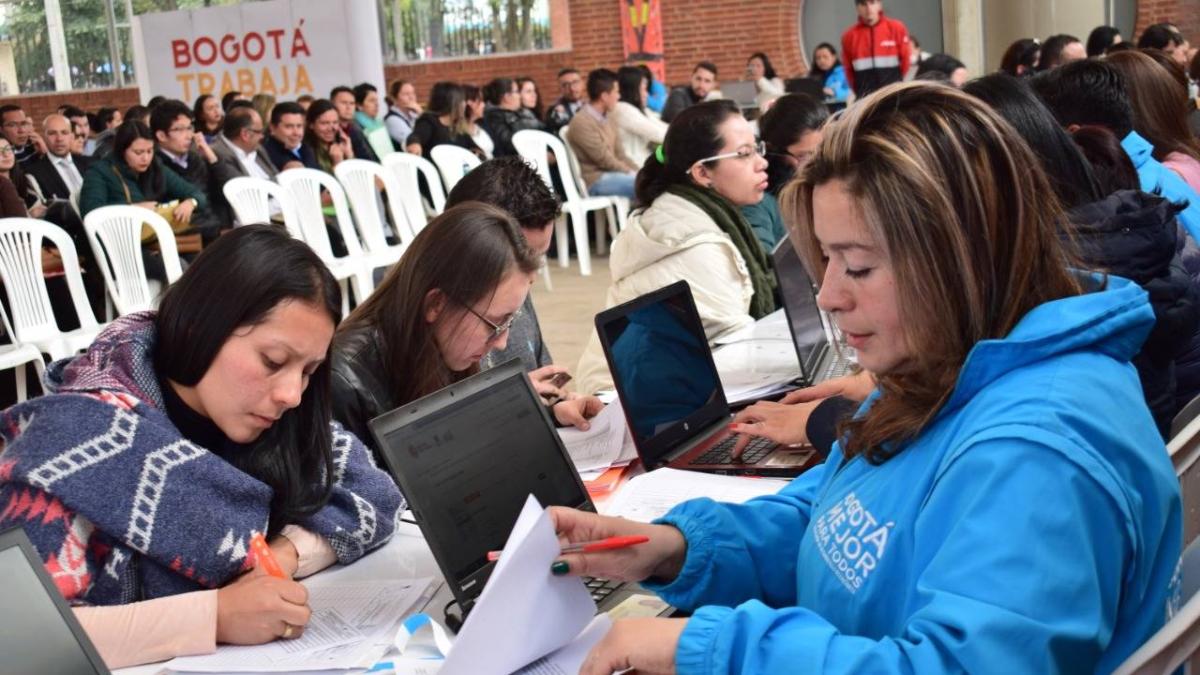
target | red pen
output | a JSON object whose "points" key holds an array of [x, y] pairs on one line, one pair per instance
{"points": [[609, 544], [264, 558]]}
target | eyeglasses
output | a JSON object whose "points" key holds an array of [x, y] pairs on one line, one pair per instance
{"points": [[759, 149], [498, 329], [179, 130]]}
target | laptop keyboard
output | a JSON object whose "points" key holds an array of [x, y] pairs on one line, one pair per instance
{"points": [[601, 588], [837, 367], [721, 453]]}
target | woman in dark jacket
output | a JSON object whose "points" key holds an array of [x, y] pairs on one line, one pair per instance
{"points": [[1116, 229], [131, 174], [503, 117]]}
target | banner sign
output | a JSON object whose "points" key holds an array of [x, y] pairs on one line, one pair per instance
{"points": [[641, 33], [285, 48]]}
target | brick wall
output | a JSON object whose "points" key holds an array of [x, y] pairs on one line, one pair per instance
{"points": [[722, 31], [1183, 13], [37, 106]]}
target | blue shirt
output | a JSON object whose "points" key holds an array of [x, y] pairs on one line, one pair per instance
{"points": [[1164, 182], [1034, 526]]}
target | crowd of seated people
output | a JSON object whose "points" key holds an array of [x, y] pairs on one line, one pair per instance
{"points": [[1022, 348]]}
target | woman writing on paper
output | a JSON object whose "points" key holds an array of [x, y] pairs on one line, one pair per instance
{"points": [[155, 456], [1006, 413]]}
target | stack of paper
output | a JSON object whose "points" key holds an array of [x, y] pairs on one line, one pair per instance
{"points": [[606, 444], [352, 626], [527, 618], [773, 326], [650, 495], [754, 369]]}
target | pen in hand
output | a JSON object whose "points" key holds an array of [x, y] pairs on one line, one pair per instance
{"points": [[264, 558], [609, 544]]}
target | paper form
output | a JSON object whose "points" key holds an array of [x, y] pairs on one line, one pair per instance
{"points": [[351, 627], [773, 326], [524, 612], [569, 659], [649, 496], [600, 446]]}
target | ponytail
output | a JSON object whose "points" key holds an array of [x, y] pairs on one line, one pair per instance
{"points": [[692, 136]]}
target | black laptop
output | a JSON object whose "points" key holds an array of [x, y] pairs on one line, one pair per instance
{"points": [[38, 630], [466, 458], [670, 390], [819, 360]]}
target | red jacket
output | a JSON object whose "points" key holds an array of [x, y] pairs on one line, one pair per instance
{"points": [[875, 56]]}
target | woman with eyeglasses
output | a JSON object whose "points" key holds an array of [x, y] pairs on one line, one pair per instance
{"points": [[449, 301], [688, 225]]}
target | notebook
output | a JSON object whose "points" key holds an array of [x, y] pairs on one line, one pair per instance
{"points": [[38, 630], [676, 408], [467, 458]]}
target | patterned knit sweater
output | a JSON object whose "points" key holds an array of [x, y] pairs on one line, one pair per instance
{"points": [[123, 508]]}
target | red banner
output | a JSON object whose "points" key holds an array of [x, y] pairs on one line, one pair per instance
{"points": [[641, 32]]}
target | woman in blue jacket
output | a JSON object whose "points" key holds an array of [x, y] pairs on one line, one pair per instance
{"points": [[1002, 503], [828, 70]]}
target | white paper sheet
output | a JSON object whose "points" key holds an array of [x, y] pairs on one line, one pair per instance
{"points": [[773, 326], [351, 627], [569, 659], [524, 612], [600, 446], [652, 494]]}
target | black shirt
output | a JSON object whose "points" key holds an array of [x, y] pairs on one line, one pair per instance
{"points": [[429, 131]]}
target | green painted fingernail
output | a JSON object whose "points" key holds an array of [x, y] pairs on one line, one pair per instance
{"points": [[560, 568]]}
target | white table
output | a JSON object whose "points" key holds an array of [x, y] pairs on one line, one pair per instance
{"points": [[406, 556]]}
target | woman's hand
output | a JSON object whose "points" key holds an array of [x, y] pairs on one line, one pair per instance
{"points": [[38, 210], [183, 212], [256, 609], [204, 148], [783, 423], [643, 645], [576, 410], [285, 554], [662, 557], [543, 381], [828, 92], [51, 261], [856, 387]]}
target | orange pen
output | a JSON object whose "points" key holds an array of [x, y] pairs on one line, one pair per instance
{"points": [[609, 544], [264, 558]]}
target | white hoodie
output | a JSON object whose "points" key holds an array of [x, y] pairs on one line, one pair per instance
{"points": [[673, 239]]}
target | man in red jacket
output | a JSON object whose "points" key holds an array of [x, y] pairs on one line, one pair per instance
{"points": [[876, 50]]}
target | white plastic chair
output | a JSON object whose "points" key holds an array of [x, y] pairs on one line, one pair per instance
{"points": [[534, 145], [406, 167], [115, 236], [251, 201], [304, 186], [21, 270], [16, 355], [453, 162], [358, 177], [620, 205]]}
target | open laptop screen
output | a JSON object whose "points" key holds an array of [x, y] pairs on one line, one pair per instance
{"points": [[468, 457], [662, 368], [800, 306], [38, 632]]}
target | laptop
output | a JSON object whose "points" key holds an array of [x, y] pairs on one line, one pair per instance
{"points": [[38, 631], [819, 361], [466, 458], [741, 92], [676, 408]]}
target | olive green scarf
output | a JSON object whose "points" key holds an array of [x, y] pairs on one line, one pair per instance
{"points": [[731, 221]]}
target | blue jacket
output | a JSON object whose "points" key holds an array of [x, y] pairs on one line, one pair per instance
{"points": [[836, 80], [1164, 182], [1033, 527]]}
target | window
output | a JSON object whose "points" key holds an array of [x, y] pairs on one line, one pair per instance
{"points": [[419, 30]]}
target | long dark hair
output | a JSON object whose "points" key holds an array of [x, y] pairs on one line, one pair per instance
{"points": [[815, 72], [315, 110], [1026, 53], [768, 69], [1112, 166], [792, 116], [691, 137], [629, 81], [1100, 39], [236, 283], [464, 253], [537, 107], [151, 182], [1159, 95], [198, 116], [449, 98], [1068, 170]]}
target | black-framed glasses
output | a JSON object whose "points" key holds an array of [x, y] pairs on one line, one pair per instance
{"points": [[498, 329], [758, 149]]}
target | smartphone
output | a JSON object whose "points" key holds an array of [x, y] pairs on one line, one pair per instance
{"points": [[560, 379]]}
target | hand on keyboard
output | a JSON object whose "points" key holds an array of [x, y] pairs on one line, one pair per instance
{"points": [[780, 422]]}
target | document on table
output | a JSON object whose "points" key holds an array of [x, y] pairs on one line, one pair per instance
{"points": [[569, 659], [350, 628], [600, 446], [524, 613], [756, 368], [773, 326], [650, 495]]}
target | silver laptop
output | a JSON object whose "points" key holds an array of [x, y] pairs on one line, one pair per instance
{"points": [[743, 93], [819, 360]]}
